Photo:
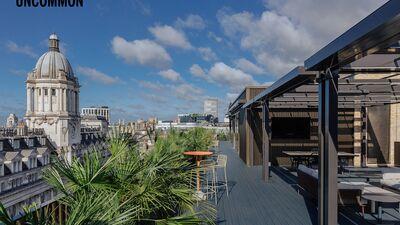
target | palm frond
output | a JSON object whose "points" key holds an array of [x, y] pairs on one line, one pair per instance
{"points": [[127, 187], [5, 217]]}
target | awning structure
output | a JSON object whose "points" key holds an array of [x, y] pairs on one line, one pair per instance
{"points": [[344, 73], [299, 89]]}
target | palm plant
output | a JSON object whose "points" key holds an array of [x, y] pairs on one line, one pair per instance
{"points": [[31, 216], [129, 188], [197, 139]]}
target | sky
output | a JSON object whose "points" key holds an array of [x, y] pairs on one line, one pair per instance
{"points": [[160, 58]]}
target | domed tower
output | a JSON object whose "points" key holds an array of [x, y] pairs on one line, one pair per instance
{"points": [[53, 98]]}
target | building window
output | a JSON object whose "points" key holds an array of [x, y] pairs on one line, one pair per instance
{"points": [[53, 92], [45, 91], [40, 91]]}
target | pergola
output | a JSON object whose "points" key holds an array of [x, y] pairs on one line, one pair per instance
{"points": [[327, 82]]}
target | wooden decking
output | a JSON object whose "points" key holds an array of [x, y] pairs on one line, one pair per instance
{"points": [[254, 202]]}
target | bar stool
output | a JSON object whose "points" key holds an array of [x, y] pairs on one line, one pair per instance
{"points": [[221, 163], [208, 180]]}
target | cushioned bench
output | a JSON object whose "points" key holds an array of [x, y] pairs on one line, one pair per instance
{"points": [[391, 181], [349, 193], [307, 180]]}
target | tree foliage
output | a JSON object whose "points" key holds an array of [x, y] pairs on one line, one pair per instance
{"points": [[127, 187], [198, 139]]}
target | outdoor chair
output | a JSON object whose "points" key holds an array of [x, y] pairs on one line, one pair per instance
{"points": [[391, 180], [216, 166], [352, 197], [208, 180], [220, 165]]}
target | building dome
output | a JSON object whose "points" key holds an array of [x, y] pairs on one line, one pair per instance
{"points": [[51, 63], [53, 37]]}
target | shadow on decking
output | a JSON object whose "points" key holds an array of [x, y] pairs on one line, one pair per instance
{"points": [[252, 201], [348, 214], [291, 180]]}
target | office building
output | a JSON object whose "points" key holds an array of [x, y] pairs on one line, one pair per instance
{"points": [[102, 111], [211, 107]]}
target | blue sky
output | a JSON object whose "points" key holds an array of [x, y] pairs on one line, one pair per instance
{"points": [[160, 58]]}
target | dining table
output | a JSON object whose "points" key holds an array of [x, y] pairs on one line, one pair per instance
{"points": [[307, 157], [378, 195], [198, 156]]}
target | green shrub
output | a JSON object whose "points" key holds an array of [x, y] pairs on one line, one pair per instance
{"points": [[198, 139]]}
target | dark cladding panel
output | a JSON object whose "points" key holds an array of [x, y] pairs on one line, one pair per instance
{"points": [[242, 134], [378, 134], [258, 138]]}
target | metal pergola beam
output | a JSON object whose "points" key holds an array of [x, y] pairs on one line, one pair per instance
{"points": [[376, 32], [297, 76], [305, 86]]}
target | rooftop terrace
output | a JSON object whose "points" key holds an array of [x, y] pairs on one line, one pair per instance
{"points": [[252, 201]]}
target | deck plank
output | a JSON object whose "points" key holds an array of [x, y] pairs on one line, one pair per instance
{"points": [[252, 201]]}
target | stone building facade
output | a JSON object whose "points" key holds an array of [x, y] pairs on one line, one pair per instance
{"points": [[52, 93], [52, 126]]}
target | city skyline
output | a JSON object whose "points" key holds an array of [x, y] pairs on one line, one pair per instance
{"points": [[191, 52]]}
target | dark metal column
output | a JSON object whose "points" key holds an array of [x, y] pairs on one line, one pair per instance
{"points": [[230, 124], [266, 135], [364, 149], [328, 144], [250, 137], [234, 131]]}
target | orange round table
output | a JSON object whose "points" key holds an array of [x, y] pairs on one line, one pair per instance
{"points": [[198, 156]]}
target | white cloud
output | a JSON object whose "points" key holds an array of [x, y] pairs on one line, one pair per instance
{"points": [[155, 86], [197, 71], [192, 21], [330, 25], [248, 66], [154, 98], [214, 37], [170, 74], [231, 96], [207, 54], [142, 7], [183, 91], [144, 52], [283, 36], [97, 76], [170, 36], [268, 83], [26, 50], [187, 92], [271, 34], [224, 75], [275, 63]]}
